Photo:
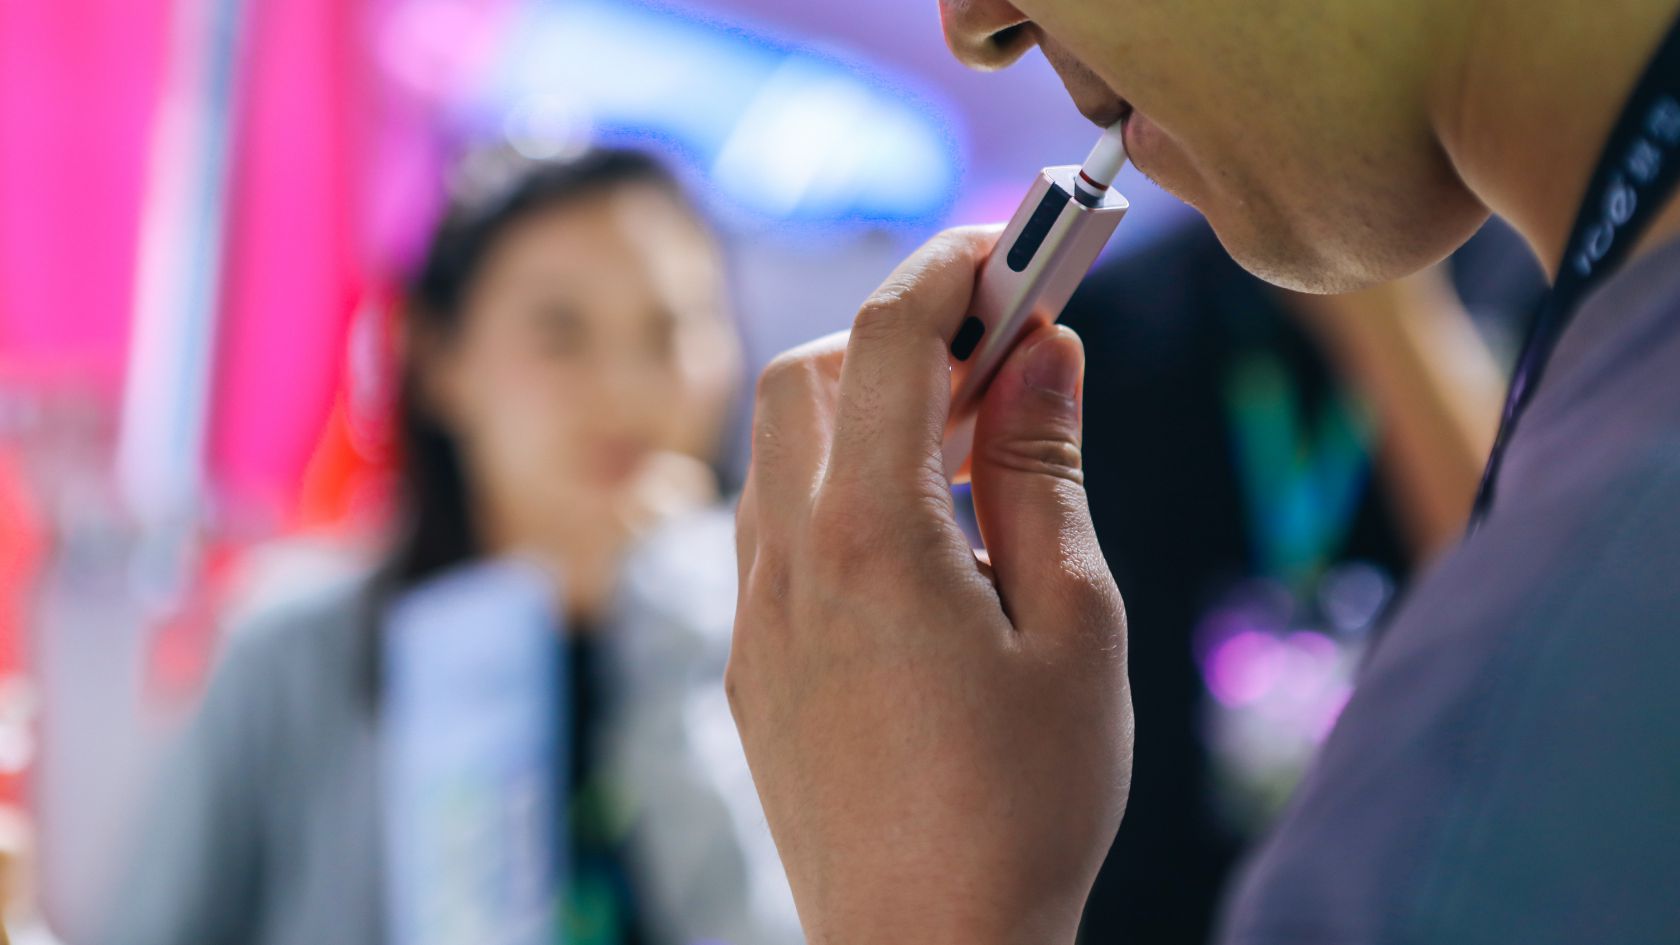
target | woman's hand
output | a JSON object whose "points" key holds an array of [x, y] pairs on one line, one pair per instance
{"points": [[942, 748]]}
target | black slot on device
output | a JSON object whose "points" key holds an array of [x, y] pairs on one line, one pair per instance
{"points": [[1038, 226], [968, 338]]}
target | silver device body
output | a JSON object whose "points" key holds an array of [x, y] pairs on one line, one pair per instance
{"points": [[1043, 254]]}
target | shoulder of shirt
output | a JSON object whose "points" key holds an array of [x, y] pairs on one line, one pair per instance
{"points": [[284, 619]]}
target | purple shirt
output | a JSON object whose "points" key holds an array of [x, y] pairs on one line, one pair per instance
{"points": [[1508, 770]]}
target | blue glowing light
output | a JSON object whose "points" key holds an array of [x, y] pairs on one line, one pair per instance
{"points": [[779, 132]]}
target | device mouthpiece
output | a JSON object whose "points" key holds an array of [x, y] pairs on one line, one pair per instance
{"points": [[1101, 166]]}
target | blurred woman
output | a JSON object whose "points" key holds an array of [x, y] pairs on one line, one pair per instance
{"points": [[568, 367]]}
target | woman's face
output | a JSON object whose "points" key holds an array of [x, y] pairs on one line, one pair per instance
{"points": [[592, 346]]}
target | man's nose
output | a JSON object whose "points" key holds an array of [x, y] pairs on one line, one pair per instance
{"points": [[986, 34]]}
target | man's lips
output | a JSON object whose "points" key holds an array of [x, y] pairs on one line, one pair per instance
{"points": [[1090, 93]]}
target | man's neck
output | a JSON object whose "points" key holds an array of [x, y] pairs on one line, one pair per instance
{"points": [[1526, 108]]}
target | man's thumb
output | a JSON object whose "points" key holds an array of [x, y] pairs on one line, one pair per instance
{"points": [[1029, 489]]}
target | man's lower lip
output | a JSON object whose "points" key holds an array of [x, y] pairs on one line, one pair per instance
{"points": [[1133, 135], [1108, 117]]}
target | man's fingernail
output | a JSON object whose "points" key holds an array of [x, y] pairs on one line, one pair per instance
{"points": [[1056, 363]]}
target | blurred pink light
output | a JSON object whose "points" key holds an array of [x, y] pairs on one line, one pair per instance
{"points": [[436, 47], [293, 273], [1310, 664], [1245, 668], [1330, 711], [78, 84]]}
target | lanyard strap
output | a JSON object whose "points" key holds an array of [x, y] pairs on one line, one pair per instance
{"points": [[1638, 171]]}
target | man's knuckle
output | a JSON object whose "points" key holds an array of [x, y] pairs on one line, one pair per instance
{"points": [[734, 686], [787, 374], [1049, 456], [880, 317], [735, 672], [1089, 604]]}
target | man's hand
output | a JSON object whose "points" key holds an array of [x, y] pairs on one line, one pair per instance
{"points": [[942, 748]]}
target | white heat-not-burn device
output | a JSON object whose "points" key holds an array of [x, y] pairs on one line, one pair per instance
{"points": [[1044, 252]]}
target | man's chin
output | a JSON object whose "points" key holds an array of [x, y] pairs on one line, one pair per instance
{"points": [[1273, 252], [1295, 266]]}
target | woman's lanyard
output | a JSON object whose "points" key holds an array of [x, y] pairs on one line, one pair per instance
{"points": [[1638, 171]]}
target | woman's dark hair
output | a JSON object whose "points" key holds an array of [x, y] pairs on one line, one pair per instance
{"points": [[496, 191]]}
